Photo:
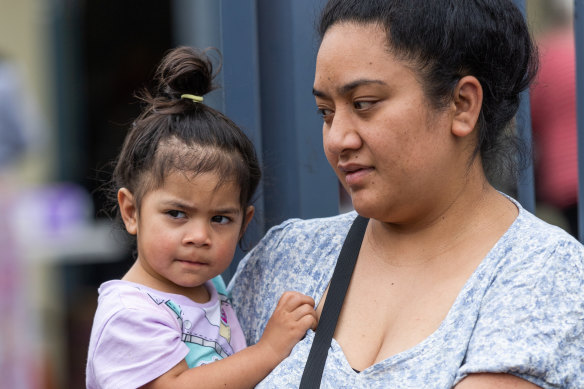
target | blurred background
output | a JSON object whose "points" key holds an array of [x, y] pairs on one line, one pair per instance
{"points": [[68, 72]]}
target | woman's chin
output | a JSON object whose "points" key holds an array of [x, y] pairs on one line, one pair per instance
{"points": [[365, 209], [375, 209]]}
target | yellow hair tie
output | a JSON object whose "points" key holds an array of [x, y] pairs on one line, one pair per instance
{"points": [[196, 99]]}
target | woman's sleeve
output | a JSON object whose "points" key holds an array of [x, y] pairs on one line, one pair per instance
{"points": [[531, 322]]}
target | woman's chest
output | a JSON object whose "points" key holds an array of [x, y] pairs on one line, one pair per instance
{"points": [[387, 311], [437, 362]]}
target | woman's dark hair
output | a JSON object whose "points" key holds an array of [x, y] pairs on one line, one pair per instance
{"points": [[178, 134], [445, 40]]}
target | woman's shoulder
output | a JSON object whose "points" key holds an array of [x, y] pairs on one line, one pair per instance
{"points": [[302, 240], [319, 231], [297, 254], [534, 251], [328, 224], [535, 262], [531, 305], [531, 235]]}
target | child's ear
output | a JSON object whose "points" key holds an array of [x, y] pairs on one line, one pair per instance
{"points": [[249, 211], [468, 99], [128, 210]]}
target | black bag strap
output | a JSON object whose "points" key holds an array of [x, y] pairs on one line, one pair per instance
{"points": [[332, 306]]}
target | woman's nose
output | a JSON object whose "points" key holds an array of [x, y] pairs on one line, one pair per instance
{"points": [[197, 234], [341, 135]]}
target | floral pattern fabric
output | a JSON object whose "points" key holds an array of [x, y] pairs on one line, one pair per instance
{"points": [[521, 312]]}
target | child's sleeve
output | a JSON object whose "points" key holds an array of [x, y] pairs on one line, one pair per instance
{"points": [[135, 346]]}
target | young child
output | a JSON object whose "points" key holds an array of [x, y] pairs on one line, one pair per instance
{"points": [[184, 180]]}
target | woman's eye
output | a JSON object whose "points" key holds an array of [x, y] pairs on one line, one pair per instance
{"points": [[359, 105], [220, 219], [325, 113], [176, 214]]}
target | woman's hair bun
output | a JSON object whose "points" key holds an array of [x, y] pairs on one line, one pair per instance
{"points": [[185, 70]]}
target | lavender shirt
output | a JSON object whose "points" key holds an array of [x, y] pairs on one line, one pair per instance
{"points": [[521, 312], [140, 333]]}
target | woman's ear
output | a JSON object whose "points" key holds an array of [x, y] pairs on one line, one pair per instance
{"points": [[128, 210], [468, 100], [249, 211]]}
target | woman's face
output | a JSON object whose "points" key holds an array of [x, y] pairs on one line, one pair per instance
{"points": [[393, 152]]}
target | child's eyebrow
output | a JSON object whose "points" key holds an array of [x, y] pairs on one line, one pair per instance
{"points": [[177, 204], [229, 210]]}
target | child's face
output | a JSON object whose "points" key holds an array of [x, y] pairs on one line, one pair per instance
{"points": [[187, 231]]}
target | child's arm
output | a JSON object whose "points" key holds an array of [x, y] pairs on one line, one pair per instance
{"points": [[293, 316]]}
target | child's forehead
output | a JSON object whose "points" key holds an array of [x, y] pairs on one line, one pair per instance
{"points": [[177, 161], [208, 187], [213, 180], [194, 177]]}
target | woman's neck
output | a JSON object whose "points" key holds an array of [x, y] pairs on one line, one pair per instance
{"points": [[471, 216]]}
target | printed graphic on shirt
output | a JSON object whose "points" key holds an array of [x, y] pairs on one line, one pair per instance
{"points": [[204, 330]]}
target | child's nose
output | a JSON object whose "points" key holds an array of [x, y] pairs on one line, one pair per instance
{"points": [[198, 234]]}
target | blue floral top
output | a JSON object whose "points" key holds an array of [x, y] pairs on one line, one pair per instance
{"points": [[521, 312]]}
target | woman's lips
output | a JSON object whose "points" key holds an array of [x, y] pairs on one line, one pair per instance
{"points": [[354, 174]]}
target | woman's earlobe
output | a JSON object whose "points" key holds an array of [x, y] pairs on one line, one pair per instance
{"points": [[468, 100], [128, 210]]}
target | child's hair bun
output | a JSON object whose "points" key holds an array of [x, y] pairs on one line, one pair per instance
{"points": [[184, 70]]}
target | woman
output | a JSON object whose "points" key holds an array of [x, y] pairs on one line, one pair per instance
{"points": [[456, 285]]}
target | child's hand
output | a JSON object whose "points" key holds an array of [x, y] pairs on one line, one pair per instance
{"points": [[293, 316]]}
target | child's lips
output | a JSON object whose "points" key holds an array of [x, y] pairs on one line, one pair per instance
{"points": [[192, 263]]}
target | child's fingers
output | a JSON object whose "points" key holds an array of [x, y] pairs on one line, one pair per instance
{"points": [[303, 310], [310, 320], [290, 300], [294, 307], [305, 315]]}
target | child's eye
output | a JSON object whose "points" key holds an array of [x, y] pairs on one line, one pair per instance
{"points": [[176, 214], [220, 219]]}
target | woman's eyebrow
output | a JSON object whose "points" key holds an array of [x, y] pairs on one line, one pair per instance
{"points": [[344, 89], [317, 93]]}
